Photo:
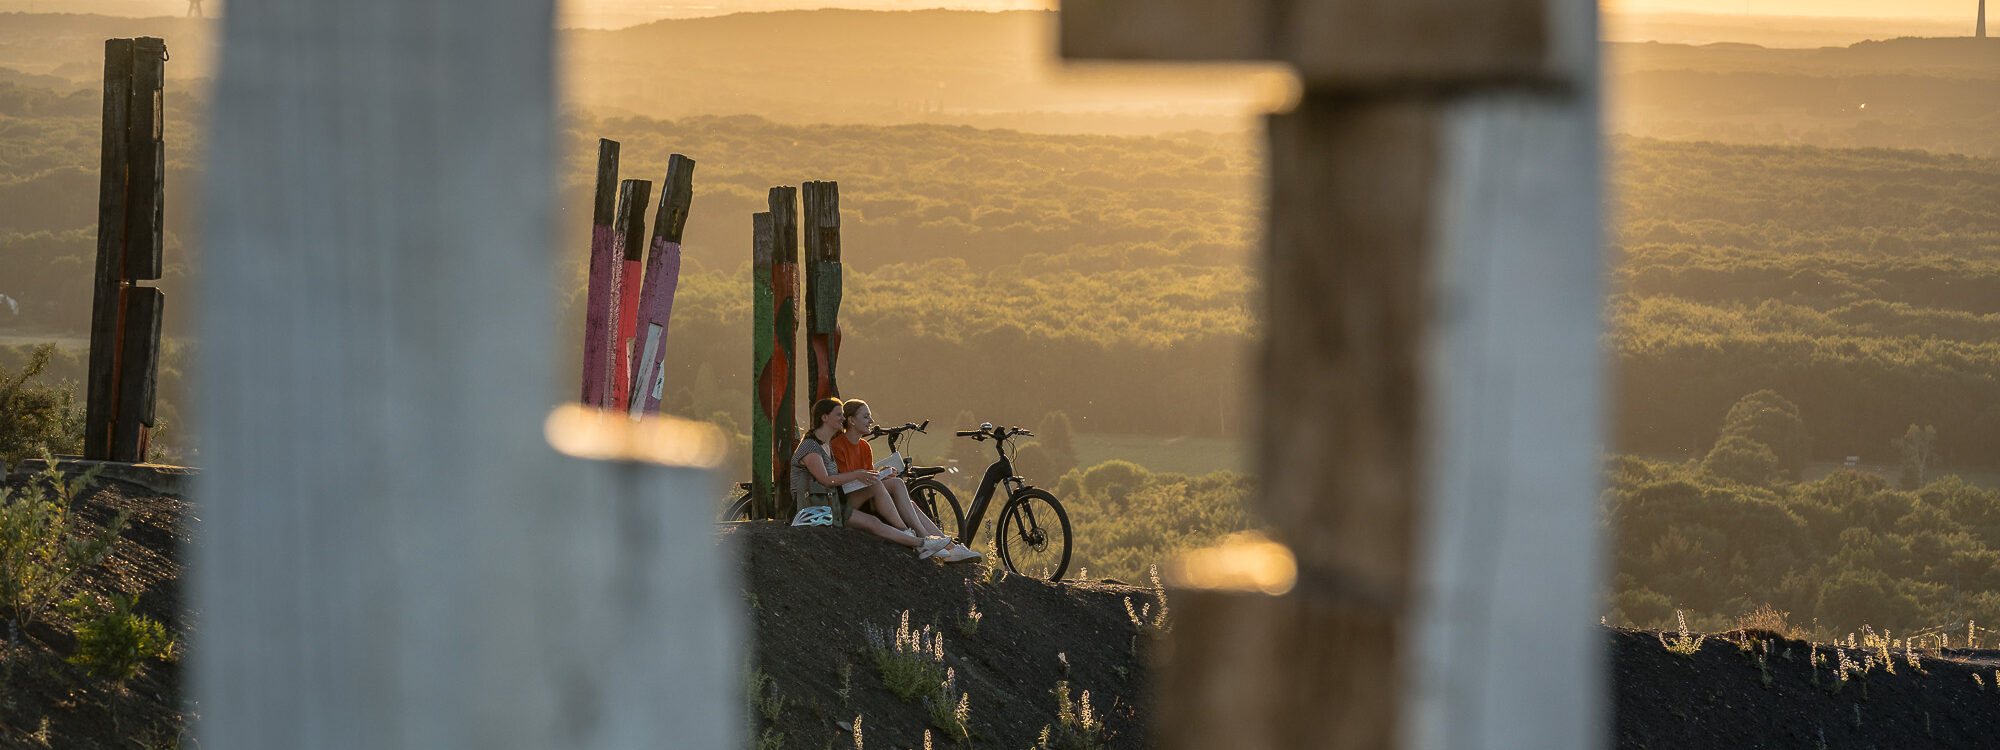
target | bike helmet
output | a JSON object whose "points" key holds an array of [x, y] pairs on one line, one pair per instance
{"points": [[814, 515]]}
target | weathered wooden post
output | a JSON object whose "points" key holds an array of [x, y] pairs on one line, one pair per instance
{"points": [[767, 372], [391, 555], [1430, 394], [822, 236], [785, 289], [125, 318], [663, 276], [628, 248], [600, 326]]}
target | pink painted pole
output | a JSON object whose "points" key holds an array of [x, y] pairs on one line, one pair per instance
{"points": [[629, 247], [598, 327], [656, 299]]}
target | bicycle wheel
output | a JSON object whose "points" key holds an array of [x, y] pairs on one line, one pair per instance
{"points": [[1033, 535], [936, 501], [739, 510]]}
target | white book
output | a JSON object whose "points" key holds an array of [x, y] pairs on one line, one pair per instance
{"points": [[884, 469]]}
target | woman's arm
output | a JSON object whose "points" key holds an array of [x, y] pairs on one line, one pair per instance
{"points": [[816, 466]]}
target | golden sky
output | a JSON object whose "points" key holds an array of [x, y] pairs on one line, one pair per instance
{"points": [[601, 13]]}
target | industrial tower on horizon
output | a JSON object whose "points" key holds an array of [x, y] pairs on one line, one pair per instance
{"points": [[1980, 30]]}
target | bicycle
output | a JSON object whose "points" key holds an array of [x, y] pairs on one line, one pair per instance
{"points": [[925, 491], [1033, 530]]}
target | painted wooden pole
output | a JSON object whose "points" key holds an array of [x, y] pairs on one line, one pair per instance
{"points": [[663, 276], [1430, 425], [124, 348], [822, 252], [628, 245], [765, 371], [391, 555], [783, 202], [600, 326]]}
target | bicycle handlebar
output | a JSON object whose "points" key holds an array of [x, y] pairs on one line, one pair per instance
{"points": [[996, 433], [878, 430]]}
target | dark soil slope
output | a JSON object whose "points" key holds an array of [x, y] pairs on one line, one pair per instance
{"points": [[810, 592], [47, 702], [1719, 697], [812, 589]]}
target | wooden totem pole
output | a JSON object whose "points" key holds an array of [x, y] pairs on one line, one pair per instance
{"points": [[822, 235], [663, 276], [631, 244], [771, 383], [600, 329], [627, 250], [125, 317], [785, 323], [1429, 392]]}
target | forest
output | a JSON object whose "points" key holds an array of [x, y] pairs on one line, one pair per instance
{"points": [[1863, 284], [1109, 284], [1735, 530]]}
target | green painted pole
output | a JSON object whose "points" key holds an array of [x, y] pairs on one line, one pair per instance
{"points": [[785, 323], [763, 340]]}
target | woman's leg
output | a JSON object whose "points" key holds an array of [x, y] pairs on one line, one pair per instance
{"points": [[877, 497], [919, 521], [873, 525]]}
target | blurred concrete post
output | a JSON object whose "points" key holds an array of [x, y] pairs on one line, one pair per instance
{"points": [[391, 555], [1430, 390]]}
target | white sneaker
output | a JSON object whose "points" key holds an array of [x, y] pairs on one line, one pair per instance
{"points": [[908, 533], [958, 553], [932, 546]]}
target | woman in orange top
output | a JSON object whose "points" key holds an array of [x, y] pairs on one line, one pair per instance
{"points": [[851, 452]]}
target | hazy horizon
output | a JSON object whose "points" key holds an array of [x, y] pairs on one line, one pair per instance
{"points": [[612, 14]]}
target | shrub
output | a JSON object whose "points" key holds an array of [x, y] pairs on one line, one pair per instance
{"points": [[911, 662], [1114, 480], [1768, 418], [40, 549], [112, 642], [1076, 727], [40, 418]]}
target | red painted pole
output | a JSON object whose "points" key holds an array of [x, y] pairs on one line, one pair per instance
{"points": [[656, 297], [628, 246]]}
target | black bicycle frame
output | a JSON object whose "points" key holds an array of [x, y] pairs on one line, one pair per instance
{"points": [[1001, 471]]}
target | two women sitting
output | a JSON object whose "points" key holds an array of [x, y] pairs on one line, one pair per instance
{"points": [[835, 453]]}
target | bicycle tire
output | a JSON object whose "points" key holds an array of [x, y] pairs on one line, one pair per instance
{"points": [[924, 494], [738, 511], [1026, 535]]}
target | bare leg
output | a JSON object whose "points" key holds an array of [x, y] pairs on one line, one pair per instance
{"points": [[919, 521], [877, 497], [863, 521]]}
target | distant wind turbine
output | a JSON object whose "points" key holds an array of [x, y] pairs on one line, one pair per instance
{"points": [[1980, 30]]}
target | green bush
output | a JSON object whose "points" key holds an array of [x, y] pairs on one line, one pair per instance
{"points": [[910, 661], [38, 418], [41, 548], [113, 642], [1077, 726]]}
